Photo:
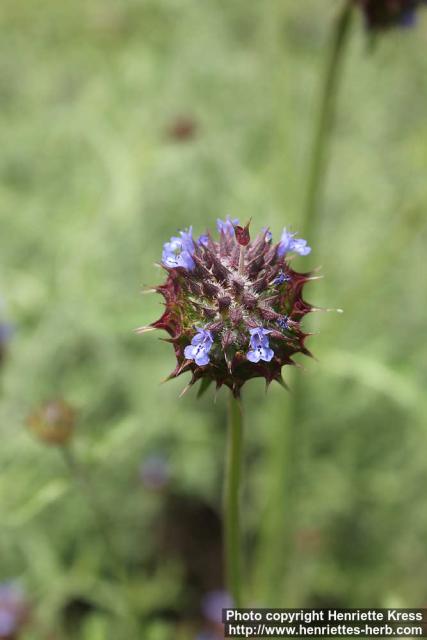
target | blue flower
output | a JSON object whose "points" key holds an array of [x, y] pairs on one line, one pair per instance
{"points": [[288, 243], [268, 234], [283, 322], [12, 609], [213, 602], [226, 226], [187, 240], [408, 18], [281, 278], [203, 240], [260, 345], [6, 331], [178, 251], [199, 348], [155, 472]]}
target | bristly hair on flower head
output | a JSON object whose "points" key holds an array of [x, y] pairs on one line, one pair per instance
{"points": [[233, 306]]}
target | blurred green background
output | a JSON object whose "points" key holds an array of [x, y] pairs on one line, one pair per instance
{"points": [[121, 122]]}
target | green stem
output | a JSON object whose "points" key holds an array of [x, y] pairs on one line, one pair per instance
{"points": [[232, 500], [294, 445], [327, 104]]}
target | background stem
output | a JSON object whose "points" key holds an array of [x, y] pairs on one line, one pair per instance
{"points": [[297, 459], [290, 450], [325, 118], [232, 500]]}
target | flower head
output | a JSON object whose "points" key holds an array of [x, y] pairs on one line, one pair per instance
{"points": [[182, 129], [53, 423], [226, 313], [288, 242], [383, 14]]}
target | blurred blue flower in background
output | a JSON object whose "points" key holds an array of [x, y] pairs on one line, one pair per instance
{"points": [[155, 472], [208, 635], [213, 603], [13, 610], [383, 14], [6, 332]]}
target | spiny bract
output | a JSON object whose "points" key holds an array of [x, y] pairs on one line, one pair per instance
{"points": [[233, 306]]}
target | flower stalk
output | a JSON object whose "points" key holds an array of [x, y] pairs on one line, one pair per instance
{"points": [[233, 545], [286, 454], [325, 118]]}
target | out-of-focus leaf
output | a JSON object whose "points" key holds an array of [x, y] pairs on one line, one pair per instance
{"points": [[43, 498], [375, 375]]}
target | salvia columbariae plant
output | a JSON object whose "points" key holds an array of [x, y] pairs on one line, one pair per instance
{"points": [[233, 312], [233, 306]]}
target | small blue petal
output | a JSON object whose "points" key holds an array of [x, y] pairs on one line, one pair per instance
{"points": [[202, 336], [300, 246], [259, 342], [283, 322], [267, 354], [178, 251], [202, 358], [268, 234], [203, 240], [288, 243], [198, 350], [281, 278], [253, 356], [187, 240], [190, 352], [259, 337], [226, 226], [187, 261]]}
